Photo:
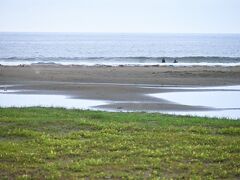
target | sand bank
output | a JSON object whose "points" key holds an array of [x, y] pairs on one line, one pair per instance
{"points": [[127, 86]]}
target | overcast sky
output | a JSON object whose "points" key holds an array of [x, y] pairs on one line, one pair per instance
{"points": [[158, 16]]}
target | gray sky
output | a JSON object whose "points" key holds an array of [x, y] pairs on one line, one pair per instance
{"points": [[159, 16]]}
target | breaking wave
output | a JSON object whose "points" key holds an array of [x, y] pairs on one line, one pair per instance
{"points": [[197, 60]]}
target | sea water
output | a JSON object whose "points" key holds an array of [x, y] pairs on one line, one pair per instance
{"points": [[119, 49]]}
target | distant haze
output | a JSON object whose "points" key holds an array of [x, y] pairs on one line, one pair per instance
{"points": [[140, 16]]}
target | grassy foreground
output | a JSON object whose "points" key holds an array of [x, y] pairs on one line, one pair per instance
{"points": [[57, 143]]}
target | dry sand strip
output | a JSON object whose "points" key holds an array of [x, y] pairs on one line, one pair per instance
{"points": [[162, 75], [123, 85]]}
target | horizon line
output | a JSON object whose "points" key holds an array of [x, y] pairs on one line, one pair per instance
{"points": [[119, 32]]}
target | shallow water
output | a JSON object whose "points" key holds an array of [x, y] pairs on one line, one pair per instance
{"points": [[30, 100], [229, 114], [224, 88], [225, 100], [213, 99]]}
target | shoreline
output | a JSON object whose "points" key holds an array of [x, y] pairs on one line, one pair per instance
{"points": [[178, 64], [114, 61], [123, 86]]}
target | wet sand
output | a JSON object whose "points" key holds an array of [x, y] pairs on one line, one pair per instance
{"points": [[126, 86]]}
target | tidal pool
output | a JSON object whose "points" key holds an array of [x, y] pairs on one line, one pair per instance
{"points": [[29, 100], [229, 114], [224, 100]]}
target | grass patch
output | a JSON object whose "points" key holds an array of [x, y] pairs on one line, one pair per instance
{"points": [[58, 143]]}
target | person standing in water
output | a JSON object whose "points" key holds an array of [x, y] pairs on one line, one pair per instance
{"points": [[163, 60]]}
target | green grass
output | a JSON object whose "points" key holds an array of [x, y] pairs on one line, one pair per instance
{"points": [[57, 143]]}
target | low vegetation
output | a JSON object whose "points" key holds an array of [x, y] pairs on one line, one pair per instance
{"points": [[56, 143]]}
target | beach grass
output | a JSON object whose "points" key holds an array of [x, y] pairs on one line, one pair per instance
{"points": [[54, 143]]}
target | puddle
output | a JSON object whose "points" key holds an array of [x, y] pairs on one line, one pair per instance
{"points": [[230, 114], [225, 88], [237, 88], [30, 100], [213, 99], [225, 100]]}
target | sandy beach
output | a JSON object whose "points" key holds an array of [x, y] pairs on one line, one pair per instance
{"points": [[125, 85]]}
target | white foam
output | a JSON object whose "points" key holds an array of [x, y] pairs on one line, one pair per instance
{"points": [[85, 63], [4, 91]]}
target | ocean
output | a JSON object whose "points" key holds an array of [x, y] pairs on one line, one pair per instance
{"points": [[119, 49]]}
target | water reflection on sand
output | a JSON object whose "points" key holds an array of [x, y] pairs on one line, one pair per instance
{"points": [[28, 100], [225, 100]]}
